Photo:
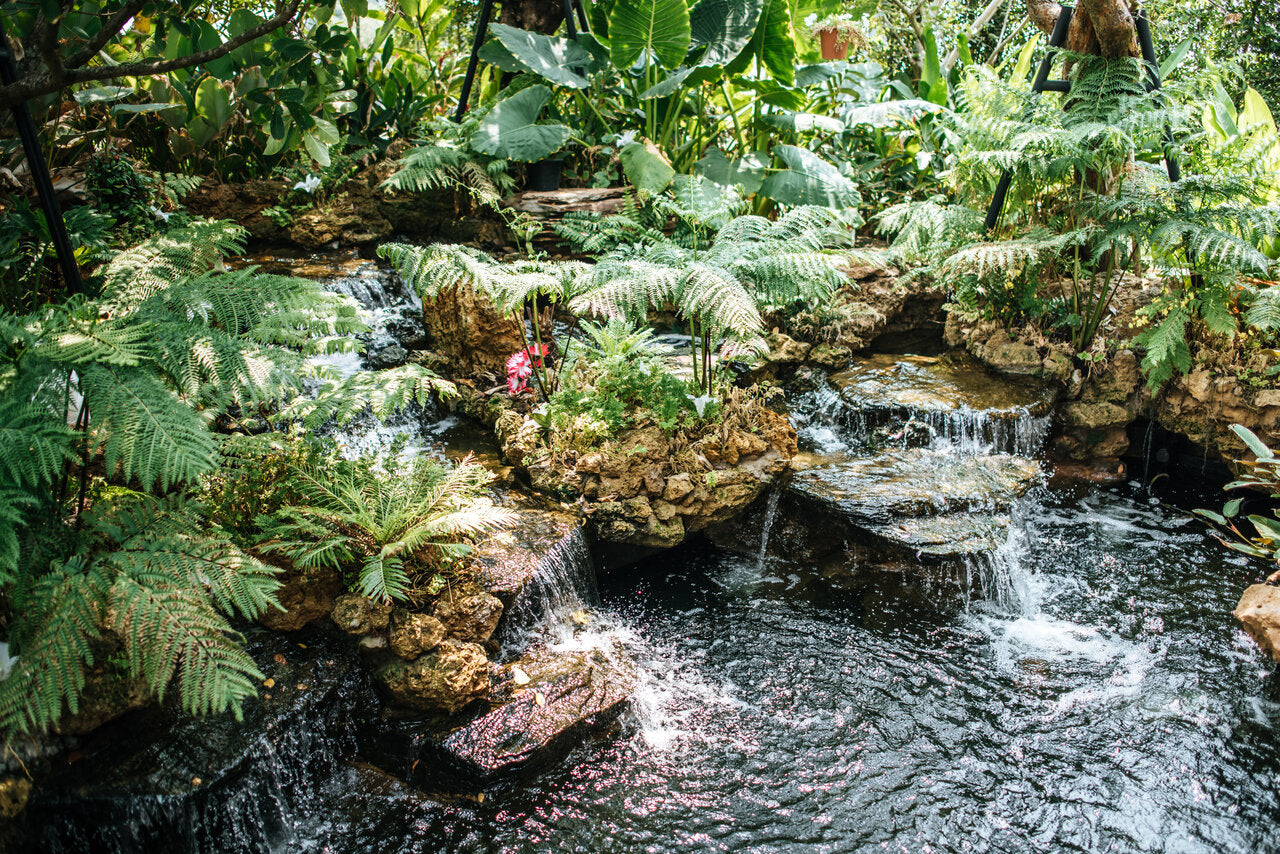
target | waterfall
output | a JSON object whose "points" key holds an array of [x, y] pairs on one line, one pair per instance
{"points": [[1001, 578], [770, 516], [555, 603]]}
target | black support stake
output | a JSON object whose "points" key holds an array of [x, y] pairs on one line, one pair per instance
{"points": [[482, 29], [40, 173]]}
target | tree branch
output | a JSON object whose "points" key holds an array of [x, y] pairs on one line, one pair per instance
{"points": [[976, 27], [52, 80], [109, 31], [1044, 14]]}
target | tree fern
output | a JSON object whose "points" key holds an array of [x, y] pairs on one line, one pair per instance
{"points": [[1264, 314]]}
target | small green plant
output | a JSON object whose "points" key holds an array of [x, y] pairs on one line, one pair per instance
{"points": [[392, 529], [1261, 474]]}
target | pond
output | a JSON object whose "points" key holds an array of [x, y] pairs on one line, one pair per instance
{"points": [[1119, 709]]}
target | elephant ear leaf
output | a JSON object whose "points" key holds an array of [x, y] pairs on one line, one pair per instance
{"points": [[809, 180], [774, 42], [659, 27], [551, 57], [511, 128], [646, 167], [724, 28]]}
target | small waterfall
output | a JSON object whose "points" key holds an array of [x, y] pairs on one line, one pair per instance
{"points": [[555, 604], [1001, 578], [770, 516]]}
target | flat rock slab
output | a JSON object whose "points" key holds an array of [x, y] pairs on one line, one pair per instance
{"points": [[567, 698], [950, 383], [913, 483], [955, 535]]}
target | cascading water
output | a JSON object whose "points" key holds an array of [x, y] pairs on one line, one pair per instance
{"points": [[770, 516]]}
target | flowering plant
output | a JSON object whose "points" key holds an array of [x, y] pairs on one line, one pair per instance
{"points": [[847, 32], [522, 364]]}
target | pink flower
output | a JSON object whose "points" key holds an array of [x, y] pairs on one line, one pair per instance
{"points": [[519, 369], [536, 352]]}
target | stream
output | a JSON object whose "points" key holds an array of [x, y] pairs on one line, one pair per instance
{"points": [[1104, 700]]}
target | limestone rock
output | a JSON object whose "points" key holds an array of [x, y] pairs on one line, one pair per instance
{"points": [[414, 634], [466, 328], [580, 692], [1259, 613], [14, 794], [360, 615], [833, 356], [785, 350], [107, 695], [469, 618], [306, 595], [446, 679], [510, 560]]}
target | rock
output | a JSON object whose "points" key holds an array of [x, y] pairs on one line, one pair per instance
{"points": [[306, 595], [414, 634], [360, 615], [162, 780], [785, 350], [14, 793], [469, 618], [446, 679], [510, 560], [833, 356], [108, 693], [1008, 356], [467, 329], [1266, 398], [390, 356], [550, 703], [1093, 416], [678, 486], [1259, 613]]}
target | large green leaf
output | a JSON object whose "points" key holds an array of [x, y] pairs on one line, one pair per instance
{"points": [[511, 128], [212, 112], [551, 57], [747, 172], [933, 84], [660, 27], [724, 27], [809, 180], [646, 167], [773, 42]]}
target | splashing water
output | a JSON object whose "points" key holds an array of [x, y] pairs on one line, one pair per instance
{"points": [[770, 516]]}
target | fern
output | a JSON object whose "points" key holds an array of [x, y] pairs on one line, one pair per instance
{"points": [[1264, 314], [385, 393], [378, 521], [143, 572]]}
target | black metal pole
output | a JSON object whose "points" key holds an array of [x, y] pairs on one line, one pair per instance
{"points": [[482, 29], [1042, 83], [568, 19], [40, 173], [1153, 85], [582, 16]]}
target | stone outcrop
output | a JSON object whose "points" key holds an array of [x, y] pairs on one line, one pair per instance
{"points": [[360, 615], [471, 619], [1259, 613], [306, 596], [542, 705], [901, 510], [632, 490], [447, 679]]}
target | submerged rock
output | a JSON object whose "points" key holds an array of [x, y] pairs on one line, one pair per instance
{"points": [[447, 679], [1259, 613], [567, 697]]}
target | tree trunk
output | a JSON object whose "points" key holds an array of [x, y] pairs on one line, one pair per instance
{"points": [[1100, 27], [540, 16]]}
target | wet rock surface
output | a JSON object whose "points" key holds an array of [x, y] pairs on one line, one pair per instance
{"points": [[360, 615], [546, 703], [305, 595], [158, 780], [1259, 613]]}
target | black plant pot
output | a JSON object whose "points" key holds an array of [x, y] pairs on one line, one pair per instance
{"points": [[544, 176]]}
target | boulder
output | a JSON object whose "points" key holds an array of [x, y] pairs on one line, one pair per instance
{"points": [[1259, 613], [469, 618], [360, 615], [414, 634], [306, 595], [542, 705], [467, 329], [446, 679]]}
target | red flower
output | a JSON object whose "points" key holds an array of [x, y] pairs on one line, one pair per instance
{"points": [[536, 352], [519, 369]]}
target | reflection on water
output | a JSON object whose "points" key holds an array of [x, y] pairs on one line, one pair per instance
{"points": [[1124, 712]]}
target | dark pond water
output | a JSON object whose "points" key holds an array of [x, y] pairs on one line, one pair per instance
{"points": [[1122, 711]]}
